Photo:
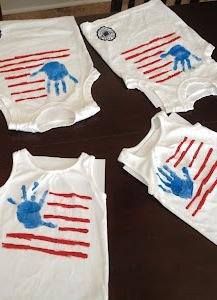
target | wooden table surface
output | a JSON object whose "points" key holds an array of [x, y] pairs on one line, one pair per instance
{"points": [[153, 254]]}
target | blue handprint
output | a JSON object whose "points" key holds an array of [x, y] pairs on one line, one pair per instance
{"points": [[182, 187], [56, 72], [181, 55], [28, 211]]}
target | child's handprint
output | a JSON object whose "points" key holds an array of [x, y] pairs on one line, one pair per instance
{"points": [[182, 187], [181, 55], [28, 211]]}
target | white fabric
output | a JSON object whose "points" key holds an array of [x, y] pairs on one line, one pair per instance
{"points": [[178, 163], [26, 99], [132, 42], [54, 211]]}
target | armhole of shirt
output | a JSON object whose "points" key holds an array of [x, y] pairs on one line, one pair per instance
{"points": [[12, 173], [89, 164], [95, 185], [135, 157]]}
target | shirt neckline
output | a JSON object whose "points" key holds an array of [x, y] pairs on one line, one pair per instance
{"points": [[31, 157]]}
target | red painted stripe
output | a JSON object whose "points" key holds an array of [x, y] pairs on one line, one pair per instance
{"points": [[184, 153], [203, 182], [67, 205], [169, 77], [26, 82], [146, 57], [70, 195], [157, 68], [149, 64], [204, 163], [44, 250], [153, 48], [18, 76], [159, 74], [28, 91], [73, 219], [177, 149], [31, 98], [33, 54], [81, 230], [30, 237], [33, 60], [203, 200], [148, 43], [21, 68], [195, 155]]}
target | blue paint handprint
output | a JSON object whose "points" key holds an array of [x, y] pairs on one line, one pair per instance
{"points": [[181, 187], [56, 72], [181, 55], [28, 211]]}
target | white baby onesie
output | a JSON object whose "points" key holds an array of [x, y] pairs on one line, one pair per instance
{"points": [[153, 50], [53, 229], [46, 74], [178, 163]]}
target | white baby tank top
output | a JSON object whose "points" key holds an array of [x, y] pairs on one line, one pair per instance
{"points": [[178, 163], [53, 230]]}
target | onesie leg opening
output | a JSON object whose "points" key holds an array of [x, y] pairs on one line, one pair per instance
{"points": [[54, 117], [89, 107], [193, 90]]}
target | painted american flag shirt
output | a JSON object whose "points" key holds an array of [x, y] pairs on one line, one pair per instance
{"points": [[178, 162], [155, 51], [46, 74], [53, 221]]}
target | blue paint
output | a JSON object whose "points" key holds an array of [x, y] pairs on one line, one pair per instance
{"points": [[181, 55], [28, 211], [55, 72], [172, 183]]}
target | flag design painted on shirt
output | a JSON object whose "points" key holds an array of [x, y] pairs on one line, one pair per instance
{"points": [[67, 215], [198, 163], [17, 72], [160, 59]]}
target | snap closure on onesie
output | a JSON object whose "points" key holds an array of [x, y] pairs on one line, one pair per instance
{"points": [[46, 83]]}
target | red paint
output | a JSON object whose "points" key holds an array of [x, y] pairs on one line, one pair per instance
{"points": [[177, 149], [159, 74], [70, 195], [33, 60], [203, 182], [157, 68], [67, 205], [31, 98], [73, 219], [26, 82], [203, 200], [18, 76], [204, 163], [81, 230], [21, 68], [169, 77], [28, 91], [151, 63], [195, 154], [30, 237], [34, 54], [146, 57], [148, 43], [184, 153], [44, 250], [150, 49]]}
